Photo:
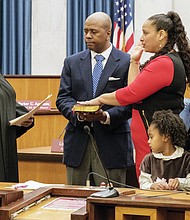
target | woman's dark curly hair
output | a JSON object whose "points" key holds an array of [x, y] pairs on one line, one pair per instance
{"points": [[177, 38], [171, 125]]}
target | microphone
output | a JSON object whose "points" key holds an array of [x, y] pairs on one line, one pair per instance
{"points": [[110, 192]]}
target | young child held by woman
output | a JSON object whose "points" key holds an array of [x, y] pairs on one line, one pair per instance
{"points": [[167, 167]]}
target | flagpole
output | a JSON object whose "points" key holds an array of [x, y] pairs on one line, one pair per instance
{"points": [[123, 28]]}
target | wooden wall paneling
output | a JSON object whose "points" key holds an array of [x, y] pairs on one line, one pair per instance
{"points": [[47, 126], [35, 88], [41, 171]]}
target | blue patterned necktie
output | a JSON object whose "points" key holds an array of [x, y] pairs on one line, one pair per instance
{"points": [[97, 72]]}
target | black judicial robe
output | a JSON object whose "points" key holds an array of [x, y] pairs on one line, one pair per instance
{"points": [[9, 109]]}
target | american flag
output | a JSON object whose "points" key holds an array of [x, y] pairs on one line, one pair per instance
{"points": [[123, 36]]}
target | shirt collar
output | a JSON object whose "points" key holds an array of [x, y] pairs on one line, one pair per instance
{"points": [[178, 153], [105, 53]]}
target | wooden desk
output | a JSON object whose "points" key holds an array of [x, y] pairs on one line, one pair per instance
{"points": [[143, 205], [39, 164], [152, 205], [31, 205]]}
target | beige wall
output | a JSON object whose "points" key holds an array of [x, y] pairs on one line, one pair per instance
{"points": [[146, 8], [49, 29], [48, 36]]}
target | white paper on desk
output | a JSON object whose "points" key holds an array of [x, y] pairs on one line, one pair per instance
{"points": [[19, 120], [30, 184]]}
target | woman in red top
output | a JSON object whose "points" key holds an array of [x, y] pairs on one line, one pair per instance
{"points": [[159, 83]]}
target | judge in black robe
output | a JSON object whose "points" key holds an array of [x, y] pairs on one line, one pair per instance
{"points": [[10, 109]]}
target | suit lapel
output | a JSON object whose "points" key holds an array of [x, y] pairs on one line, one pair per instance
{"points": [[85, 70], [108, 70]]}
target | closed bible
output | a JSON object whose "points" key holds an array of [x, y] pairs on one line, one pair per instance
{"points": [[85, 108]]}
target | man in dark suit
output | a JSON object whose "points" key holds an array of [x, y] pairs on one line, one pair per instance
{"points": [[109, 125]]}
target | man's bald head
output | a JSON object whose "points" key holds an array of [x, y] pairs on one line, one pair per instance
{"points": [[101, 17]]}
